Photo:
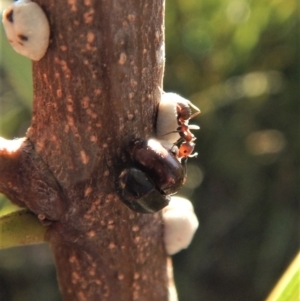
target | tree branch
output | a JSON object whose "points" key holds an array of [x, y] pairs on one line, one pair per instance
{"points": [[96, 89], [27, 181], [9, 166]]}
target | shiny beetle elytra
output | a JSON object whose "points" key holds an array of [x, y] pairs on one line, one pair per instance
{"points": [[139, 192], [157, 173], [161, 165]]}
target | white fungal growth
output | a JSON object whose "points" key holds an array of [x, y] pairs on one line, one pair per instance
{"points": [[169, 146], [27, 28], [166, 122], [180, 224]]}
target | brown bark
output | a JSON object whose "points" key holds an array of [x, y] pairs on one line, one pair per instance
{"points": [[96, 89]]}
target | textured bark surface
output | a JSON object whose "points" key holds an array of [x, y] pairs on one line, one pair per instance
{"points": [[96, 89]]}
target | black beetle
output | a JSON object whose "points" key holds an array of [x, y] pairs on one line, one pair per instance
{"points": [[157, 174], [139, 192], [160, 164]]}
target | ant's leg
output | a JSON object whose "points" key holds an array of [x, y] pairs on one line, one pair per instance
{"points": [[183, 163], [196, 109]]}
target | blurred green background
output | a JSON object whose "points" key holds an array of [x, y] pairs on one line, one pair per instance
{"points": [[239, 62]]}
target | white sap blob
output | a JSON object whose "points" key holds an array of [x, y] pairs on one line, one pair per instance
{"points": [[180, 224], [166, 124], [27, 28]]}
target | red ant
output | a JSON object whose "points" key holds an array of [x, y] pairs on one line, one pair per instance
{"points": [[184, 112], [186, 143]]}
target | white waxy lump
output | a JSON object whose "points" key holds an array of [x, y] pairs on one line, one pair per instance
{"points": [[180, 224], [27, 29]]}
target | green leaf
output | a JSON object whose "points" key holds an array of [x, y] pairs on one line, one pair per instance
{"points": [[20, 228], [288, 287], [18, 69]]}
